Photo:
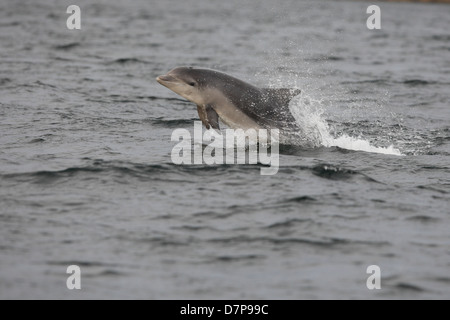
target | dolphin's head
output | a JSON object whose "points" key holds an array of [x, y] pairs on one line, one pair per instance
{"points": [[186, 82]]}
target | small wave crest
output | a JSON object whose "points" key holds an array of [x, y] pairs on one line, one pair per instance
{"points": [[309, 115]]}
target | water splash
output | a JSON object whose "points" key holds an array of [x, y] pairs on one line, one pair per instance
{"points": [[308, 113]]}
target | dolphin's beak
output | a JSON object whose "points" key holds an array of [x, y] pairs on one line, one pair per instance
{"points": [[165, 79]]}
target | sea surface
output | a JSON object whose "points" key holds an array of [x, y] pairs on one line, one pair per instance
{"points": [[87, 179]]}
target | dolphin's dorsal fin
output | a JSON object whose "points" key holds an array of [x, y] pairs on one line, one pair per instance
{"points": [[209, 116], [282, 95]]}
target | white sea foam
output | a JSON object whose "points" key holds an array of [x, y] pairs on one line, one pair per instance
{"points": [[309, 115]]}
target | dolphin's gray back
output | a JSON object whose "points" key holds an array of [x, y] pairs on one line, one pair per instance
{"points": [[267, 107], [273, 110]]}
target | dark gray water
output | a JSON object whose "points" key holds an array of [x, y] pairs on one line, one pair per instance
{"points": [[86, 176]]}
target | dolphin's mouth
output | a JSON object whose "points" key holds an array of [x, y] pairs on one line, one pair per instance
{"points": [[166, 79]]}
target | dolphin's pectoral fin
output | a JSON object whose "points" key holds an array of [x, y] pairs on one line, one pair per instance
{"points": [[209, 117], [203, 116], [213, 117]]}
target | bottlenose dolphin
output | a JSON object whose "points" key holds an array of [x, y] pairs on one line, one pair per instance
{"points": [[238, 104]]}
